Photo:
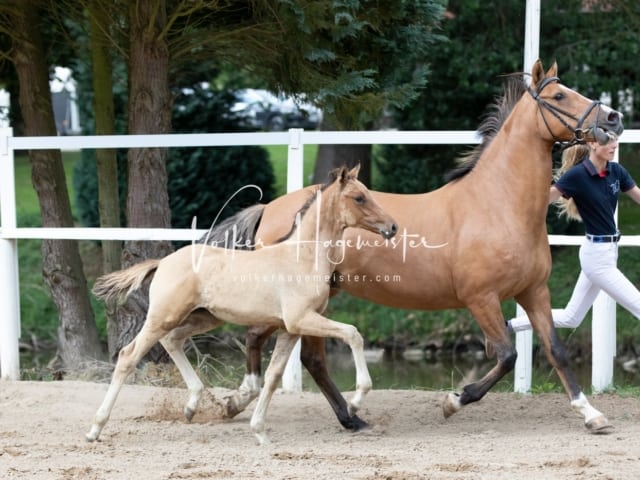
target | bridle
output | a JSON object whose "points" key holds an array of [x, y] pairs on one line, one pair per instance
{"points": [[579, 133]]}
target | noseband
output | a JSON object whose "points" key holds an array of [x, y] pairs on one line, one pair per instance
{"points": [[579, 133]]}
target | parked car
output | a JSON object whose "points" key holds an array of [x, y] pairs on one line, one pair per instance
{"points": [[263, 110]]}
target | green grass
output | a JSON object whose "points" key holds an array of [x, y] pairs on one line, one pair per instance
{"points": [[278, 156]]}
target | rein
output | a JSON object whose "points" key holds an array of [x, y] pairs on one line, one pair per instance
{"points": [[579, 133]]}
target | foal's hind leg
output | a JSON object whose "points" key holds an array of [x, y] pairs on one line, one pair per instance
{"points": [[173, 342], [128, 358], [489, 317], [281, 353]]}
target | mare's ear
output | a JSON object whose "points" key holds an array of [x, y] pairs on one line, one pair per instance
{"points": [[537, 73]]}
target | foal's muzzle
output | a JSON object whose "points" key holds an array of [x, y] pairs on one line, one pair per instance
{"points": [[390, 233]]}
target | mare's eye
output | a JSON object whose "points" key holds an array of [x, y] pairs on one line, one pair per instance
{"points": [[558, 96], [359, 199]]}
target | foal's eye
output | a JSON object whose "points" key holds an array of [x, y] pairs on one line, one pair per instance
{"points": [[359, 199]]}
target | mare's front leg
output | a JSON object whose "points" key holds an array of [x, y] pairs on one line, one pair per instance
{"points": [[488, 314], [313, 357], [281, 352], [255, 338], [535, 304]]}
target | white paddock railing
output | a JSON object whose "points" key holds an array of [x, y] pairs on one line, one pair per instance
{"points": [[295, 139]]}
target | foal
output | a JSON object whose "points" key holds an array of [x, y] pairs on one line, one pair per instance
{"points": [[283, 285]]}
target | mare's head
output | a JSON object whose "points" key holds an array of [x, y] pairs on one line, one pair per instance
{"points": [[561, 115], [354, 206], [565, 115]]}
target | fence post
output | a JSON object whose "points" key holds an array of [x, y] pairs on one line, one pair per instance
{"points": [[524, 363], [603, 340], [10, 290], [292, 376], [524, 340]]}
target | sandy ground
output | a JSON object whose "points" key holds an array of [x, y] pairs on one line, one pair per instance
{"points": [[505, 436]]}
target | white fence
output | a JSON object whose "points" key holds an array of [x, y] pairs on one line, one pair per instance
{"points": [[603, 314]]}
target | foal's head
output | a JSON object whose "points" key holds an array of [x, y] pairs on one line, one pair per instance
{"points": [[354, 205]]}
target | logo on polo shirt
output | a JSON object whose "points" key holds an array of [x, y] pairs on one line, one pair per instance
{"points": [[615, 187]]}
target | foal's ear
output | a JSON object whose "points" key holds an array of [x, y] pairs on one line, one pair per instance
{"points": [[354, 171]]}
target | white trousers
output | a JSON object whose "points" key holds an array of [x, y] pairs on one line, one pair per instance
{"points": [[599, 272]]}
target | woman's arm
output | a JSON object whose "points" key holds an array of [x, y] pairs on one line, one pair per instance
{"points": [[634, 193], [555, 194]]}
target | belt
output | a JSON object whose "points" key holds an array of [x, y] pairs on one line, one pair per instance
{"points": [[603, 238]]}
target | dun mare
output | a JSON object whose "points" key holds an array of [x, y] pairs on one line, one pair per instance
{"points": [[489, 225], [283, 286]]}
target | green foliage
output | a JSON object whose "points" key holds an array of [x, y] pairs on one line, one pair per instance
{"points": [[201, 179], [458, 93], [546, 387], [353, 58]]}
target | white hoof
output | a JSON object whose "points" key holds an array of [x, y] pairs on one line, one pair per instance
{"points": [[451, 404], [93, 435], [599, 425], [263, 439]]}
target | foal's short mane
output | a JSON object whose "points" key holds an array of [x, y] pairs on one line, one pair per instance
{"points": [[501, 107], [303, 210]]}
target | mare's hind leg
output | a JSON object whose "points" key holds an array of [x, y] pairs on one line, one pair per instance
{"points": [[313, 357], [199, 321], [489, 316], [555, 351], [255, 338], [127, 360], [281, 353]]}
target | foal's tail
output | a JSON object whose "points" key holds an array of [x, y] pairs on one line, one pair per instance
{"points": [[118, 285], [238, 231]]}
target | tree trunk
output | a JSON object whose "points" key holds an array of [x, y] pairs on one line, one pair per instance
{"points": [[106, 160], [78, 339], [334, 156], [330, 157], [149, 113]]}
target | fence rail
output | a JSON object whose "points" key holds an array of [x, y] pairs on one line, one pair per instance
{"points": [[295, 139]]}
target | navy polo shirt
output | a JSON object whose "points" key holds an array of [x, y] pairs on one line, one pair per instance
{"points": [[596, 196]]}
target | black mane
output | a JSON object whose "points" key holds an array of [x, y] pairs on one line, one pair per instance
{"points": [[500, 109], [303, 210]]}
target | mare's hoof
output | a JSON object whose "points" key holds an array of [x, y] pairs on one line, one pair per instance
{"points": [[451, 404], [355, 424], [599, 425]]}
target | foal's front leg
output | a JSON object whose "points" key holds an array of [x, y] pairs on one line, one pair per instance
{"points": [[281, 353], [316, 325]]}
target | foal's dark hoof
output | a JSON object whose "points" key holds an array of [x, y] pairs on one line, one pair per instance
{"points": [[354, 423]]}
